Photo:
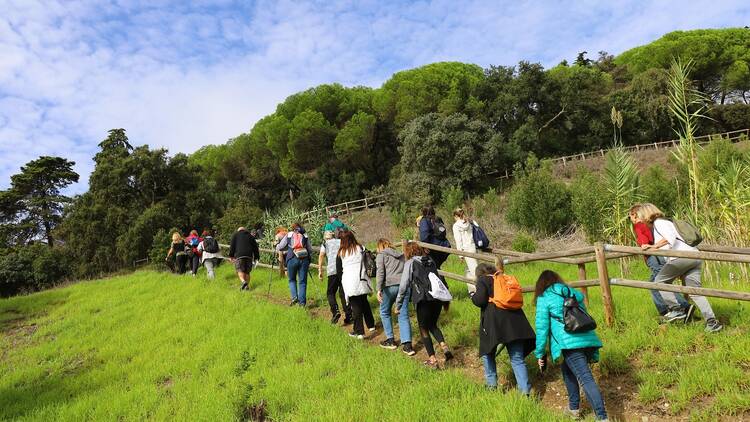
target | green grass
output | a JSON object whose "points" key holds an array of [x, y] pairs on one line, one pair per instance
{"points": [[162, 347], [156, 346]]}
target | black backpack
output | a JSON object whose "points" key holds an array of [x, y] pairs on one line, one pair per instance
{"points": [[369, 263], [575, 319], [210, 245], [420, 279], [440, 232]]}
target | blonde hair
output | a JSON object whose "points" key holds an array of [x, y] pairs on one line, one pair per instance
{"points": [[459, 212], [384, 244], [176, 237], [328, 235], [649, 212]]}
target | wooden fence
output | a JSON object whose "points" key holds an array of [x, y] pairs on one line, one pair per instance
{"points": [[733, 136], [348, 207], [599, 253]]}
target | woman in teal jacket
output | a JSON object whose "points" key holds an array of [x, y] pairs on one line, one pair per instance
{"points": [[577, 349]]}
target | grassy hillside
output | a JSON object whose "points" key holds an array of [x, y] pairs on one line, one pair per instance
{"points": [[161, 347], [157, 346]]}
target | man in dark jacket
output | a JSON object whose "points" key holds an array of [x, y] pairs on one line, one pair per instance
{"points": [[243, 251]]}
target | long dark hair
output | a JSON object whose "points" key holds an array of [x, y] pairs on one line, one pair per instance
{"points": [[428, 212], [349, 244], [484, 269], [546, 279]]}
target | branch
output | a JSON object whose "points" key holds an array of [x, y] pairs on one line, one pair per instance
{"points": [[552, 119]]}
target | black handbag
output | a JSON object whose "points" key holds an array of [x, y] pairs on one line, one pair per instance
{"points": [[575, 319]]}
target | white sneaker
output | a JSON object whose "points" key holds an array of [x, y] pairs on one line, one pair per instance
{"points": [[575, 414], [371, 329]]}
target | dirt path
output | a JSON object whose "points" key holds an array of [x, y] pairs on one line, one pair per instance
{"points": [[620, 392]]}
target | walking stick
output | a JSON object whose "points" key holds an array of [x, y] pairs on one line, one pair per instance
{"points": [[270, 276]]}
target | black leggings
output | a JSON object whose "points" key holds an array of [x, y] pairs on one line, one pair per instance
{"points": [[334, 285], [428, 313], [439, 258], [361, 308], [181, 261], [195, 262]]}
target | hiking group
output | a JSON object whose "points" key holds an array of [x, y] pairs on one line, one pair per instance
{"points": [[562, 329]]}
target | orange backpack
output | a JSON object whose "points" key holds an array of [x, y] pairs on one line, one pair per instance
{"points": [[506, 292]]}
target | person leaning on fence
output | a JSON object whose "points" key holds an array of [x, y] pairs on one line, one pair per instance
{"points": [[390, 266], [577, 349], [667, 237], [644, 236], [243, 251], [418, 264], [178, 249], [464, 237], [210, 253], [501, 326], [328, 251], [432, 230], [356, 283], [298, 255]]}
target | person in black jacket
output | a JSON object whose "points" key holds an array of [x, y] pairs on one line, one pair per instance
{"points": [[243, 251], [432, 230], [501, 326]]}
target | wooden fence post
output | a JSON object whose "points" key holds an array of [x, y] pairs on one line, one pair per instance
{"points": [[601, 267], [582, 276]]}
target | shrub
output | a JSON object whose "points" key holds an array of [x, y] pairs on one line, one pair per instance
{"points": [[242, 214], [657, 189], [537, 201], [588, 199], [409, 233], [33, 267], [523, 243], [452, 198], [400, 215]]}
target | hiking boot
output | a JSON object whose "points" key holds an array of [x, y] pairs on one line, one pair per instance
{"points": [[408, 349], [672, 316], [293, 302], [713, 326], [357, 336], [575, 414], [335, 318], [388, 344], [689, 313]]}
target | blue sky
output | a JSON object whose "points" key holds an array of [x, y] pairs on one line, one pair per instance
{"points": [[183, 74]]}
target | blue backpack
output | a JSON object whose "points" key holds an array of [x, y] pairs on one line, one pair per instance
{"points": [[480, 237]]}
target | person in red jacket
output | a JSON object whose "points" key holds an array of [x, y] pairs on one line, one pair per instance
{"points": [[195, 258], [644, 235]]}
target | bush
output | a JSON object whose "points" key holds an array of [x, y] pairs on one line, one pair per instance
{"points": [[31, 268], [401, 216], [588, 199], [452, 198], [242, 214], [537, 201], [660, 190], [523, 243]]}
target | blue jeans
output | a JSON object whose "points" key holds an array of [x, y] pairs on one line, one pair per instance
{"points": [[404, 327], [515, 352], [655, 264], [575, 370], [298, 268]]}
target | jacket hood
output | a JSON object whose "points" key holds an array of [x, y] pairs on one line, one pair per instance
{"points": [[392, 252], [462, 225]]}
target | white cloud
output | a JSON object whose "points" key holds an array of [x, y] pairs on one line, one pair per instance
{"points": [[185, 74]]}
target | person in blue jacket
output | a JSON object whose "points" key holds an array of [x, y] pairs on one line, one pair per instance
{"points": [[576, 349], [432, 230]]}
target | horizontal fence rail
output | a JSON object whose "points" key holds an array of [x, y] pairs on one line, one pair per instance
{"points": [[348, 207], [601, 253]]}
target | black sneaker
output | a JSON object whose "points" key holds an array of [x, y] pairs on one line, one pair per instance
{"points": [[388, 344], [355, 335], [689, 313], [347, 320], [244, 286], [672, 316], [293, 302], [335, 318], [448, 355], [713, 326], [408, 349]]}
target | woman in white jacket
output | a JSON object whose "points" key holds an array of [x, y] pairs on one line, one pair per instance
{"points": [[356, 283], [464, 237]]}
